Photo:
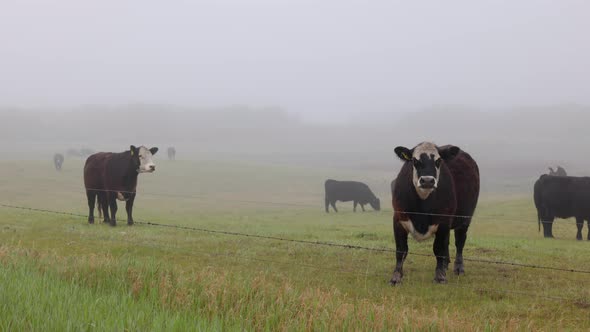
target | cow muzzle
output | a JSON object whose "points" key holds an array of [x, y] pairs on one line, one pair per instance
{"points": [[147, 169], [427, 182]]}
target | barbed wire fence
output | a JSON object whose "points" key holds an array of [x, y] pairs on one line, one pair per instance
{"points": [[151, 223]]}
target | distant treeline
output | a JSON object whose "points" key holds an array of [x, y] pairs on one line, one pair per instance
{"points": [[516, 139]]}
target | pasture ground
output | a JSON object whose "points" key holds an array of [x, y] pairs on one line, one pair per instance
{"points": [[57, 272]]}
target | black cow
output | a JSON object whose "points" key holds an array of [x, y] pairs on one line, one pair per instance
{"points": [[58, 161], [562, 197], [347, 191], [171, 153], [110, 176], [560, 171], [436, 190]]}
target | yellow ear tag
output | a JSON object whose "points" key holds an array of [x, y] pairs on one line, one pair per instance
{"points": [[132, 152], [405, 155]]}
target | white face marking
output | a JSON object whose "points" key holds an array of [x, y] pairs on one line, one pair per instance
{"points": [[417, 236], [146, 163], [430, 150]]}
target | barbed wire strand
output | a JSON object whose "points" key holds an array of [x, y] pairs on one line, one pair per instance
{"points": [[317, 206], [308, 242]]}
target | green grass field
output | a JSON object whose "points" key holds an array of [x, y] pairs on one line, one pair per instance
{"points": [[59, 273]]}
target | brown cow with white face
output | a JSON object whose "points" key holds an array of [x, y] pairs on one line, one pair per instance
{"points": [[435, 191], [110, 176]]}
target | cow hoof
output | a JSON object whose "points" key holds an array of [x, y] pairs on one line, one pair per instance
{"points": [[130, 223], [91, 220], [459, 270], [440, 277], [113, 223], [396, 279]]}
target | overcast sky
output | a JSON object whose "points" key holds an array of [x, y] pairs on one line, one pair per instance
{"points": [[328, 56]]}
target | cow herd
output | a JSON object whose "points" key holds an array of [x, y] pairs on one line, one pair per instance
{"points": [[435, 191]]}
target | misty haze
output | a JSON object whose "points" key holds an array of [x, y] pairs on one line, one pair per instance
{"points": [[262, 101], [318, 81]]}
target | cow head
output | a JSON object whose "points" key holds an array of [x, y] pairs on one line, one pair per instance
{"points": [[142, 158], [427, 160], [375, 204]]}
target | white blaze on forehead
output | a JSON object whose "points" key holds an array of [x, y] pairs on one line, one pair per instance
{"points": [[427, 148], [145, 160], [431, 151]]}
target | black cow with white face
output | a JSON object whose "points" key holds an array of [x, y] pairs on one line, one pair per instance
{"points": [[435, 191], [109, 177]]}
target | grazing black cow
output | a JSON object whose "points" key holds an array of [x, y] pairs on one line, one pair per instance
{"points": [[58, 161], [560, 171], [110, 176], [562, 197], [347, 191], [436, 190], [171, 153]]}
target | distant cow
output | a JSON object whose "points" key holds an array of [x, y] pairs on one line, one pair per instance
{"points": [[110, 176], [58, 161], [562, 197], [560, 171], [171, 153], [436, 190], [347, 191]]}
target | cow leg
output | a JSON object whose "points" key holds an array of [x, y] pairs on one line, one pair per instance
{"points": [[401, 252], [327, 202], [363, 207], [460, 238], [547, 226], [354, 206], [112, 201], [91, 195], [129, 208], [333, 203], [579, 224], [104, 206], [588, 220], [441, 251]]}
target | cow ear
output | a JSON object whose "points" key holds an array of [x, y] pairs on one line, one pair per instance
{"points": [[403, 153], [133, 149], [449, 152], [153, 150]]}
